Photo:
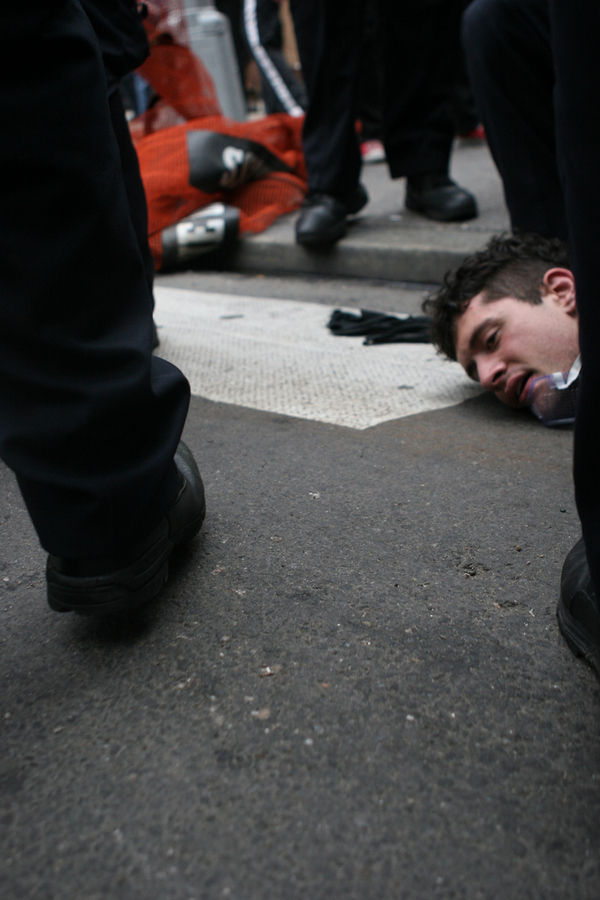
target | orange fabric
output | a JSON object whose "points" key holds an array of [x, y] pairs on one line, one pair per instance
{"points": [[181, 80], [164, 166], [188, 101]]}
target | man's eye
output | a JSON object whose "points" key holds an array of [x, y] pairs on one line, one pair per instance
{"points": [[491, 340]]}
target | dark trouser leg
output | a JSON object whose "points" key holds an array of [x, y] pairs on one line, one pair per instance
{"points": [[575, 34], [370, 86], [88, 421], [464, 111], [509, 58], [329, 39], [420, 46], [134, 185]]}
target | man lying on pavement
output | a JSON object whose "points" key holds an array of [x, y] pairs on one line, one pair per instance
{"points": [[508, 315]]}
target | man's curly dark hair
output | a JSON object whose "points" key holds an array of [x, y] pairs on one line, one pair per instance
{"points": [[509, 266]]}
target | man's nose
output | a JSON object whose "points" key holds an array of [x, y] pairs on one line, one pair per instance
{"points": [[491, 371]]}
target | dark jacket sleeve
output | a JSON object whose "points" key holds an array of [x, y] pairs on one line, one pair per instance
{"points": [[120, 31]]}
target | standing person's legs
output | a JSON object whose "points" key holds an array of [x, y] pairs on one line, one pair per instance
{"points": [[421, 52], [89, 422], [575, 28], [282, 90], [509, 58], [329, 39], [466, 119], [370, 86], [124, 46]]}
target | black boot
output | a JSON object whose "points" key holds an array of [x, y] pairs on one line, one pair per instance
{"points": [[322, 220], [120, 585], [437, 197], [578, 609]]}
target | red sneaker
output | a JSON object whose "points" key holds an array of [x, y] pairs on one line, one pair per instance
{"points": [[476, 134], [372, 151]]}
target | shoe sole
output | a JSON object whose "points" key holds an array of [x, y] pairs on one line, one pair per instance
{"points": [[320, 239], [121, 591], [465, 216], [127, 589], [370, 159], [577, 638]]}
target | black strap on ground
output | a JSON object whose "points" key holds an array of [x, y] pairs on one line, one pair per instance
{"points": [[380, 328]]}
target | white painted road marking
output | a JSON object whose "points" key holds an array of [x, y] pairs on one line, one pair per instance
{"points": [[279, 356]]}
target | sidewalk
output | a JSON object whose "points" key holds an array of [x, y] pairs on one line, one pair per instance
{"points": [[386, 240]]}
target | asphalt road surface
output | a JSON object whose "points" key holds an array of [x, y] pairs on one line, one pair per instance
{"points": [[353, 685]]}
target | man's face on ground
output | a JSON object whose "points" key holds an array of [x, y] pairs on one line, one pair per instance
{"points": [[506, 343]]}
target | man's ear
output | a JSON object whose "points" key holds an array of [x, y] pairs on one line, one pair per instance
{"points": [[560, 285]]}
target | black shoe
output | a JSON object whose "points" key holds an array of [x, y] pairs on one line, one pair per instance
{"points": [[356, 199], [322, 220], [578, 609], [437, 197], [118, 585]]}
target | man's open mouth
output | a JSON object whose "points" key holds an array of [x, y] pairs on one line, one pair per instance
{"points": [[517, 388], [523, 385]]}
